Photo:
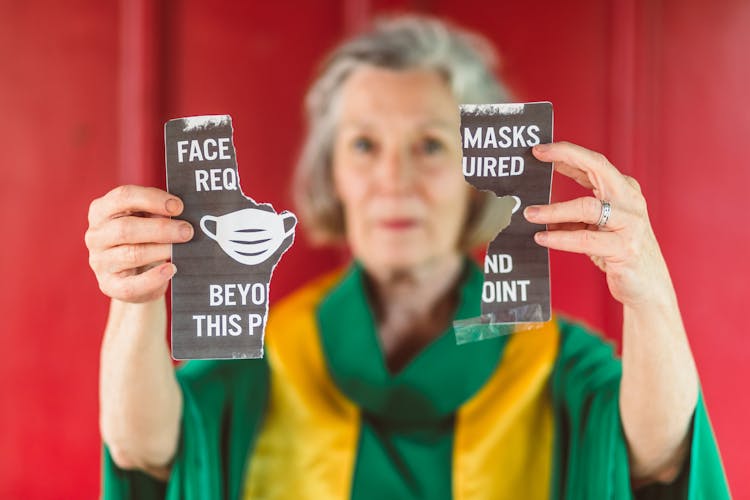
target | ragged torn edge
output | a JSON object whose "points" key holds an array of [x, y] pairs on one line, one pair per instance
{"points": [[492, 109], [273, 268], [192, 123], [487, 326], [205, 122]]}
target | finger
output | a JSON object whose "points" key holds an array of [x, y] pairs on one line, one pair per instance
{"points": [[568, 226], [599, 262], [587, 210], [128, 257], [603, 176], [134, 230], [633, 183], [599, 243], [138, 288], [574, 173], [126, 200]]}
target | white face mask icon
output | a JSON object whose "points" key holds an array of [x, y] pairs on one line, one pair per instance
{"points": [[249, 236]]}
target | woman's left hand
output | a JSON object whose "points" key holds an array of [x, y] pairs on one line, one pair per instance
{"points": [[625, 248]]}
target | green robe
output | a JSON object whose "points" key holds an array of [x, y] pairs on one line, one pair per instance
{"points": [[407, 431]]}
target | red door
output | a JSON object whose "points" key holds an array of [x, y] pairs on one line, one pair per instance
{"points": [[659, 87]]}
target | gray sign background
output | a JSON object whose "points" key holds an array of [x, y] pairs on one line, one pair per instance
{"points": [[530, 261]]}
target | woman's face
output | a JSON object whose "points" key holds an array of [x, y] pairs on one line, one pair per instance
{"points": [[397, 168]]}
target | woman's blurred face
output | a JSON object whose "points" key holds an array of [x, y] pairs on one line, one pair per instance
{"points": [[397, 168]]}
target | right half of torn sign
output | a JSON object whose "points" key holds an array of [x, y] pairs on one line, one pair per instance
{"points": [[497, 141]]}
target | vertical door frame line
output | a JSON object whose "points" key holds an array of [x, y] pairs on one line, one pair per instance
{"points": [[622, 83], [356, 14], [138, 92], [621, 115], [633, 128]]}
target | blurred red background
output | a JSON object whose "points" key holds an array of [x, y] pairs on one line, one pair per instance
{"points": [[660, 87]]}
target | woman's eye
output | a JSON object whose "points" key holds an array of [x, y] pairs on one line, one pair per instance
{"points": [[431, 146], [363, 145]]}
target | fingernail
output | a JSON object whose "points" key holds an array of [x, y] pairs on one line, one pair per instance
{"points": [[186, 231], [541, 148], [541, 236], [168, 270], [173, 206], [531, 212]]}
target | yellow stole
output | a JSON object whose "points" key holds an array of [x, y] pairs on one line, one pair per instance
{"points": [[307, 446]]}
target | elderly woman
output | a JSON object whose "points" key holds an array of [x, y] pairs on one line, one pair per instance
{"points": [[364, 392]]}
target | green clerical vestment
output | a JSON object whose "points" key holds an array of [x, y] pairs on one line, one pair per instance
{"points": [[533, 414]]}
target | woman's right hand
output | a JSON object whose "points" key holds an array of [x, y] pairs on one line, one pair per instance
{"points": [[129, 240]]}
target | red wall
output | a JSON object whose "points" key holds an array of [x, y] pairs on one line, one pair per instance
{"points": [[660, 87]]}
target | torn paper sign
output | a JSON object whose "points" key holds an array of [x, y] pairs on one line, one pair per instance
{"points": [[220, 290], [497, 141]]}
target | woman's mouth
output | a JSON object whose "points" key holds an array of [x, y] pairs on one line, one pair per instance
{"points": [[398, 223]]}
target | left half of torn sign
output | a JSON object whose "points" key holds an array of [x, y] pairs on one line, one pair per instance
{"points": [[220, 290]]}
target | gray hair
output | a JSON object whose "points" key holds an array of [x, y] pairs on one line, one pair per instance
{"points": [[464, 59]]}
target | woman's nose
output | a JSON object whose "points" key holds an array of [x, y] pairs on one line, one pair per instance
{"points": [[395, 172]]}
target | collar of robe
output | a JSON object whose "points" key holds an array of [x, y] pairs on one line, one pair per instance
{"points": [[432, 386]]}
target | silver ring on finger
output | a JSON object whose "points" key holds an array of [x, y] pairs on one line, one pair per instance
{"points": [[604, 216]]}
